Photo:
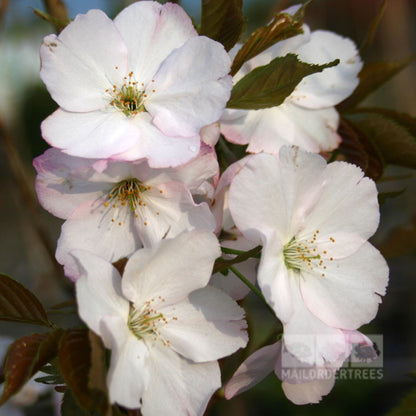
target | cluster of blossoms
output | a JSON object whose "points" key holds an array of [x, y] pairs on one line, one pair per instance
{"points": [[133, 172]]}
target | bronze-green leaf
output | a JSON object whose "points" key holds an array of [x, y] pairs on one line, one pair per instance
{"points": [[269, 85], [18, 304], [394, 134], [283, 26], [75, 362], [25, 357], [222, 20]]}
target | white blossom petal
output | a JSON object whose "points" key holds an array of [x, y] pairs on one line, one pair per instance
{"points": [[160, 150], [77, 67], [348, 295], [98, 291], [348, 203], [274, 280], [206, 327], [129, 373], [332, 85], [155, 273], [91, 228], [178, 386], [169, 213], [191, 89], [253, 370], [310, 392], [89, 134], [162, 28], [62, 183]]}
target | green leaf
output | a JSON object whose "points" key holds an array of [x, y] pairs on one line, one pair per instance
{"points": [[53, 375], [394, 134], [25, 357], [75, 363], [269, 85], [283, 26], [18, 304], [222, 20], [359, 150], [407, 406], [373, 76]]}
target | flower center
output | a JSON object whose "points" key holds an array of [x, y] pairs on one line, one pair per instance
{"points": [[305, 255], [127, 192], [147, 321], [128, 98]]}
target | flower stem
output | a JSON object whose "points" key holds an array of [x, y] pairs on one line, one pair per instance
{"points": [[227, 250], [251, 287]]}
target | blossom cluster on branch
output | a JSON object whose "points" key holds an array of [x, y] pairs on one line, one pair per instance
{"points": [[161, 242]]}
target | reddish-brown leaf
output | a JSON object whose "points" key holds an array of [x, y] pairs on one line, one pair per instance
{"points": [[392, 133], [25, 357], [358, 149], [18, 304], [372, 76], [222, 20], [75, 363], [283, 26]]}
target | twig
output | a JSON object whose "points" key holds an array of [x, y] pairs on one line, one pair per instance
{"points": [[26, 191], [57, 9]]}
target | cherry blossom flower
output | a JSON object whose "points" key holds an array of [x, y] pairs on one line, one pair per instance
{"points": [[307, 118], [141, 86], [301, 383], [164, 326], [112, 208], [317, 270]]}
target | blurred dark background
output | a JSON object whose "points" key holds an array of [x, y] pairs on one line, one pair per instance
{"points": [[28, 234]]}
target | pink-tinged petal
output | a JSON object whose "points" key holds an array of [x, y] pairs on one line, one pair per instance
{"points": [[160, 150], [256, 203], [62, 183], [91, 228], [96, 134], [129, 375], [169, 210], [178, 386], [311, 392], [349, 294], [210, 134], [253, 370], [151, 32], [267, 130], [220, 202], [191, 88], [206, 327], [309, 339], [274, 280], [230, 283], [348, 203], [193, 174], [80, 64], [280, 195], [315, 130], [153, 273], [332, 85], [98, 291]]}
